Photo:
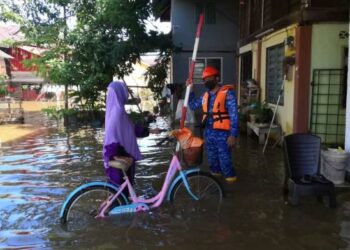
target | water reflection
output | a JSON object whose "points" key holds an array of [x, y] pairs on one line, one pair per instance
{"points": [[38, 173]]}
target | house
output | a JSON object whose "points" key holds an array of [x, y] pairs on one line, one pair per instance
{"points": [[10, 110], [218, 41], [309, 41], [305, 40], [25, 80]]}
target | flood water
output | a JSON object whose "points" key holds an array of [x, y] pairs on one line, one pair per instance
{"points": [[37, 173]]}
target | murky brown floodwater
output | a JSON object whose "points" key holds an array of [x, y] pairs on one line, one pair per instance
{"points": [[38, 173]]}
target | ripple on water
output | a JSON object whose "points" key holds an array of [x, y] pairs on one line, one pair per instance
{"points": [[22, 239], [37, 174]]}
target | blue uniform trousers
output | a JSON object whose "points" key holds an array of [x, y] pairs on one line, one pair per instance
{"points": [[219, 153]]}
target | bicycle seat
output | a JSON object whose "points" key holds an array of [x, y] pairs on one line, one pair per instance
{"points": [[119, 164]]}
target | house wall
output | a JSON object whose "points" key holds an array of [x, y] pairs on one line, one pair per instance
{"points": [[328, 53], [285, 112], [181, 63], [327, 47], [217, 40], [2, 67], [18, 56], [215, 37]]}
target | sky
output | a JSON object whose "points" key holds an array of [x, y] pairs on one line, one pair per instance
{"points": [[163, 27]]}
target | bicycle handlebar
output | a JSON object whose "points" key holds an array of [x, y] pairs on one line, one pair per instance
{"points": [[166, 139]]}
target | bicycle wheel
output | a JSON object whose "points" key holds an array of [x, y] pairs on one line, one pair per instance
{"points": [[202, 185], [84, 205]]}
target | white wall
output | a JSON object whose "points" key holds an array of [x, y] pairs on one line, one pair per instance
{"points": [[327, 47]]}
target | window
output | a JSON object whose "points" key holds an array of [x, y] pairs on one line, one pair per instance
{"points": [[274, 73], [209, 12], [201, 63]]}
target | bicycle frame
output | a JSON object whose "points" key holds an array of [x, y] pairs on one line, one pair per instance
{"points": [[138, 204]]}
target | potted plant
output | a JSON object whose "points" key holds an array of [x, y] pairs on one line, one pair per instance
{"points": [[260, 112]]}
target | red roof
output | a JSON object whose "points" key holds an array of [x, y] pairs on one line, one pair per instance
{"points": [[34, 50]]}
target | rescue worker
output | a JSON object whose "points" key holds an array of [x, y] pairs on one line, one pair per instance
{"points": [[220, 120]]}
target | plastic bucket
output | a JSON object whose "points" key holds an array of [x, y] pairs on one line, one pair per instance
{"points": [[333, 165]]}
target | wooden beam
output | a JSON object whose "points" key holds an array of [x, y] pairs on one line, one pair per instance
{"points": [[302, 79]]}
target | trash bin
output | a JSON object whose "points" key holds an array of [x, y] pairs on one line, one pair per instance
{"points": [[333, 164]]}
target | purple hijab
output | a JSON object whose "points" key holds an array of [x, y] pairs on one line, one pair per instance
{"points": [[118, 127]]}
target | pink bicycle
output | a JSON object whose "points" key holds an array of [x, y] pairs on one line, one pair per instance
{"points": [[193, 188]]}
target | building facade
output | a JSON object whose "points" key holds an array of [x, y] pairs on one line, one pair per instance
{"points": [[218, 41], [310, 39]]}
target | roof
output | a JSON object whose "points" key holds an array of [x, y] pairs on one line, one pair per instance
{"points": [[34, 50], [4, 55]]}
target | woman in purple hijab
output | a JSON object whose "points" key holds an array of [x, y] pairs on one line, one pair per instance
{"points": [[120, 132]]}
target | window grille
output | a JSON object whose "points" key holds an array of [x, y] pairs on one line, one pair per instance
{"points": [[274, 73], [327, 112]]}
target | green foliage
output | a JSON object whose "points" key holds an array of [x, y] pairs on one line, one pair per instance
{"points": [[157, 74], [8, 15], [3, 90], [53, 113], [58, 114], [3, 86], [262, 112], [107, 39], [2, 80], [137, 117]]}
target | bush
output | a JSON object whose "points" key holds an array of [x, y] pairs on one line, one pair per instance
{"points": [[3, 90], [136, 117], [262, 111]]}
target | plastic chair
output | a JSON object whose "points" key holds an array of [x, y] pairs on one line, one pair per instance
{"points": [[302, 161]]}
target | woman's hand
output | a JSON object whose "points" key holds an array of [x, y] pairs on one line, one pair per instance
{"points": [[155, 130]]}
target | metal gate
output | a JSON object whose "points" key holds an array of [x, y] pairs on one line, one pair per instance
{"points": [[328, 105]]}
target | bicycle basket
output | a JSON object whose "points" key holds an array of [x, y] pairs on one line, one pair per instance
{"points": [[193, 156], [192, 146]]}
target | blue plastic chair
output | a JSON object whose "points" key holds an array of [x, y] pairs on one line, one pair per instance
{"points": [[303, 178]]}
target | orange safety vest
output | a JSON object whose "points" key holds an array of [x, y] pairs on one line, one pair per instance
{"points": [[219, 112]]}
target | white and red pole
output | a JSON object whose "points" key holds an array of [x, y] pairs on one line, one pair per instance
{"points": [[190, 77]]}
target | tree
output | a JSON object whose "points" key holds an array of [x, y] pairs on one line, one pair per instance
{"points": [[107, 38]]}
